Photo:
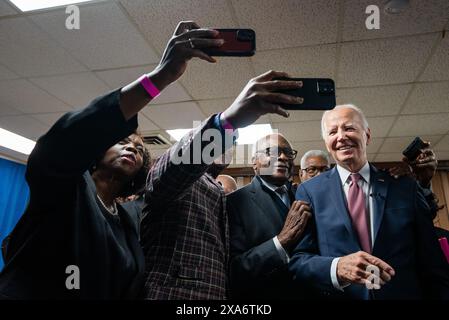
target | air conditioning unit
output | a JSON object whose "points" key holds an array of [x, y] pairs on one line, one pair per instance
{"points": [[156, 140]]}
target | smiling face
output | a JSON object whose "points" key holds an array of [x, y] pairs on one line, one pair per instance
{"points": [[274, 168], [125, 157], [346, 138]]}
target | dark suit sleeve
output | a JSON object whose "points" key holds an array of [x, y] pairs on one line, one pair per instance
{"points": [[172, 175], [74, 142], [307, 265], [249, 265], [432, 264]]}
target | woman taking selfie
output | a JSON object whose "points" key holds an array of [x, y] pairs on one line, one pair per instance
{"points": [[74, 240]]}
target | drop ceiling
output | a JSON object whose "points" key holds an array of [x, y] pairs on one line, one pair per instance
{"points": [[399, 75]]}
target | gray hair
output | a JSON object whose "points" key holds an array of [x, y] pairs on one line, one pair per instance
{"points": [[344, 106], [314, 153]]}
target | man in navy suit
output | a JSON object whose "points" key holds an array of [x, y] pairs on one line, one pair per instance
{"points": [[368, 230]]}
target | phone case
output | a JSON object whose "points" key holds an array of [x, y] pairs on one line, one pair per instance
{"points": [[238, 43], [318, 94], [413, 149]]}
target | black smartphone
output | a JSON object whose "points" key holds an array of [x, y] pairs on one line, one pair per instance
{"points": [[414, 149], [318, 94], [238, 43]]}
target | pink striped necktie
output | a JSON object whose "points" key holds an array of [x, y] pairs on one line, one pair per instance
{"points": [[357, 210]]}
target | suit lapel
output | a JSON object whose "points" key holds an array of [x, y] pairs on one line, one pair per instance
{"points": [[379, 187], [266, 201], [338, 197]]}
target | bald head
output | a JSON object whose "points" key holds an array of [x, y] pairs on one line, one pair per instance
{"points": [[273, 158], [227, 182]]}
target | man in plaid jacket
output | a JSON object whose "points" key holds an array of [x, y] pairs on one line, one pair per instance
{"points": [[185, 233]]}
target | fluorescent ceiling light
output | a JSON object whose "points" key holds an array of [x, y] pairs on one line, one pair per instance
{"points": [[30, 5], [177, 134], [252, 133], [247, 135], [15, 142]]}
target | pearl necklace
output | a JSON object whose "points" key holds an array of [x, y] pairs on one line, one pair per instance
{"points": [[114, 210]]}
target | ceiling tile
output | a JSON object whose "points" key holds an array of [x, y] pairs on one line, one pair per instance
{"points": [[24, 96], [210, 107], [380, 126], [163, 16], [299, 115], [76, 89], [117, 78], [6, 74], [442, 155], [292, 23], [24, 125], [6, 9], [428, 98], [106, 37], [6, 110], [398, 144], [317, 61], [375, 101], [438, 66], [48, 119], [174, 116], [387, 157], [145, 124], [28, 51], [387, 61], [371, 156], [374, 145], [226, 78], [425, 124], [443, 145], [420, 17], [300, 131]]}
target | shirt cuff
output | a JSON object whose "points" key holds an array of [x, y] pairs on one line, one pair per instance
{"points": [[334, 278], [282, 253]]}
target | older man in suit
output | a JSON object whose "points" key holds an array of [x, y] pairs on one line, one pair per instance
{"points": [[263, 227], [368, 230]]}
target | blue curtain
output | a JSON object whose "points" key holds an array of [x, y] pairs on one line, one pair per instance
{"points": [[14, 194]]}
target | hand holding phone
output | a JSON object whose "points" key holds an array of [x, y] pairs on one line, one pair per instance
{"points": [[238, 43], [318, 94], [414, 149]]}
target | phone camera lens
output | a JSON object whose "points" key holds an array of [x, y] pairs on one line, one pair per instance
{"points": [[245, 35]]}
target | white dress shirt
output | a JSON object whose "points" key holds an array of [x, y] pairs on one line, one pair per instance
{"points": [[285, 199], [365, 184]]}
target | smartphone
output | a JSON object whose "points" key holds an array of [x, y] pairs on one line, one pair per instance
{"points": [[238, 43], [318, 94], [414, 149]]}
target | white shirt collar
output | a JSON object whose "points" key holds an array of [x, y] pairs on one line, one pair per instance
{"points": [[270, 186], [344, 174]]}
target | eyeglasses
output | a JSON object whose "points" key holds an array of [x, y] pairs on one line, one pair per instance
{"points": [[312, 170], [276, 152]]}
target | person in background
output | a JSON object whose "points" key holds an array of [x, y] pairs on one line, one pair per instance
{"points": [[227, 182], [313, 163], [75, 241], [266, 224]]}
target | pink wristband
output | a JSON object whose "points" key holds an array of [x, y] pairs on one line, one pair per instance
{"points": [[149, 86], [225, 124]]}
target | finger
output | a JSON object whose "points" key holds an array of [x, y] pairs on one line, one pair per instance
{"points": [[200, 43], [281, 98], [269, 75], [379, 263], [277, 85], [202, 55], [200, 33], [184, 26]]}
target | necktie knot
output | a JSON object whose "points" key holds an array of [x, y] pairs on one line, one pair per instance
{"points": [[281, 190], [355, 177]]}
